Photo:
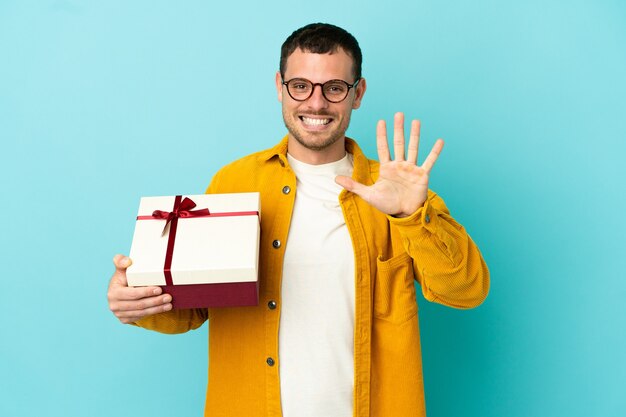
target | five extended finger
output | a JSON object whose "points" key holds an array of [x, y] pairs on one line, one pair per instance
{"points": [[381, 142], [414, 141], [398, 137], [432, 156]]}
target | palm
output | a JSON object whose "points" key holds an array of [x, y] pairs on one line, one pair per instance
{"points": [[402, 186]]}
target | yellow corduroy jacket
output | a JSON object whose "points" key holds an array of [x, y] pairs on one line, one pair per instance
{"points": [[389, 253]]}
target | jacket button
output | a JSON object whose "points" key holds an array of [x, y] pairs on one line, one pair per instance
{"points": [[276, 244], [270, 361], [427, 218], [286, 189], [271, 305]]}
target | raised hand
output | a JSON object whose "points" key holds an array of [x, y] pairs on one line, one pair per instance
{"points": [[402, 185]]}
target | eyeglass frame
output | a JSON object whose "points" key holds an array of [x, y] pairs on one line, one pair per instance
{"points": [[313, 85]]}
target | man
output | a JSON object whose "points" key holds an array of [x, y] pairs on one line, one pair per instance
{"points": [[343, 239]]}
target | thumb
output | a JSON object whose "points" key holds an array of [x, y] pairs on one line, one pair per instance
{"points": [[345, 182], [351, 185], [121, 263]]}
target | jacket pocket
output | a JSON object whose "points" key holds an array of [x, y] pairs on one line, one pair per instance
{"points": [[394, 289]]}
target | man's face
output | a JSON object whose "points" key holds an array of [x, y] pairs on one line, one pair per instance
{"points": [[317, 124]]}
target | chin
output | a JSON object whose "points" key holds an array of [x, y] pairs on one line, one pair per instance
{"points": [[315, 140], [316, 144]]}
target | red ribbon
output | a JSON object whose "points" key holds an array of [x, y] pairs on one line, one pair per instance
{"points": [[183, 209], [180, 210]]}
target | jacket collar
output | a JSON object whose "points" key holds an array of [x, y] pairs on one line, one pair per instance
{"points": [[361, 164]]}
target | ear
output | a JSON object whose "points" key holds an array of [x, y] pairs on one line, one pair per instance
{"points": [[279, 86], [358, 93]]}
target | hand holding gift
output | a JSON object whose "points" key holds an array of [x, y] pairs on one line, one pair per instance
{"points": [[130, 304]]}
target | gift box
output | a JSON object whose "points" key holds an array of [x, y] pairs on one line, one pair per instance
{"points": [[201, 249]]}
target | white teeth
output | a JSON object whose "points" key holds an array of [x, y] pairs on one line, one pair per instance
{"points": [[315, 122]]}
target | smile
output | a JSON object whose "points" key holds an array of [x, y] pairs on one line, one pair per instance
{"points": [[314, 122]]}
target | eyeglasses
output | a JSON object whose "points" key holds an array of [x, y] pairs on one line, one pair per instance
{"points": [[335, 91]]}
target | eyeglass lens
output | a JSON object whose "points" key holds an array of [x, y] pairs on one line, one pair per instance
{"points": [[333, 90]]}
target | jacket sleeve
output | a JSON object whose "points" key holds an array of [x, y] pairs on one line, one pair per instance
{"points": [[447, 263], [174, 321]]}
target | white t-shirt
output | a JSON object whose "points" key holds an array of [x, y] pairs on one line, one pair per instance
{"points": [[316, 337]]}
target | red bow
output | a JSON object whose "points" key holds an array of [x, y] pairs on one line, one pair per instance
{"points": [[180, 210]]}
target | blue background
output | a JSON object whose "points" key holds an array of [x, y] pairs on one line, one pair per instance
{"points": [[104, 101]]}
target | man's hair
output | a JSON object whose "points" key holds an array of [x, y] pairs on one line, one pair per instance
{"points": [[322, 38]]}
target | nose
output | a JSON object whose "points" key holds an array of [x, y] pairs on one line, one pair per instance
{"points": [[317, 99]]}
